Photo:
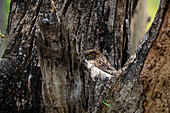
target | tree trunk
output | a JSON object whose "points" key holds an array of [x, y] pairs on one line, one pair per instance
{"points": [[156, 71], [58, 32], [20, 75]]}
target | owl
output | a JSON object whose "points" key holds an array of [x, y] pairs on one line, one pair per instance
{"points": [[96, 58]]}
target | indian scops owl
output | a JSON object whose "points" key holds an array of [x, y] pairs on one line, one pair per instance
{"points": [[96, 58]]}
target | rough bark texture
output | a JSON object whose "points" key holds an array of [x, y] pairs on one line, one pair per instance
{"points": [[68, 30], [156, 71], [20, 78], [62, 30]]}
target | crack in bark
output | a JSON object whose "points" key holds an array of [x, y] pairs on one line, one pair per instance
{"points": [[60, 29], [88, 22], [79, 47], [69, 55], [103, 8], [37, 12], [126, 35], [66, 7], [31, 45]]}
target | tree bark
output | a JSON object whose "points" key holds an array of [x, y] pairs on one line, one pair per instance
{"points": [[20, 76], [156, 71], [55, 33]]}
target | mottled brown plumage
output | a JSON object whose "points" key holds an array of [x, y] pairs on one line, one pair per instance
{"points": [[96, 58]]}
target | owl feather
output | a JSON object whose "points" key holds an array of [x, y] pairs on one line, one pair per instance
{"points": [[96, 58]]}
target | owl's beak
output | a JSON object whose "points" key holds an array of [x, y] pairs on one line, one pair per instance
{"points": [[83, 58]]}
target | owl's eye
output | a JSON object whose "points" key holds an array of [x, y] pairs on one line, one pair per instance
{"points": [[89, 55]]}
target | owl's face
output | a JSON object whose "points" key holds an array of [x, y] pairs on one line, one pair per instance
{"points": [[97, 59], [90, 54]]}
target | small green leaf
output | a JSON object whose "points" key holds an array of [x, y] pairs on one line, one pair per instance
{"points": [[104, 102]]}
